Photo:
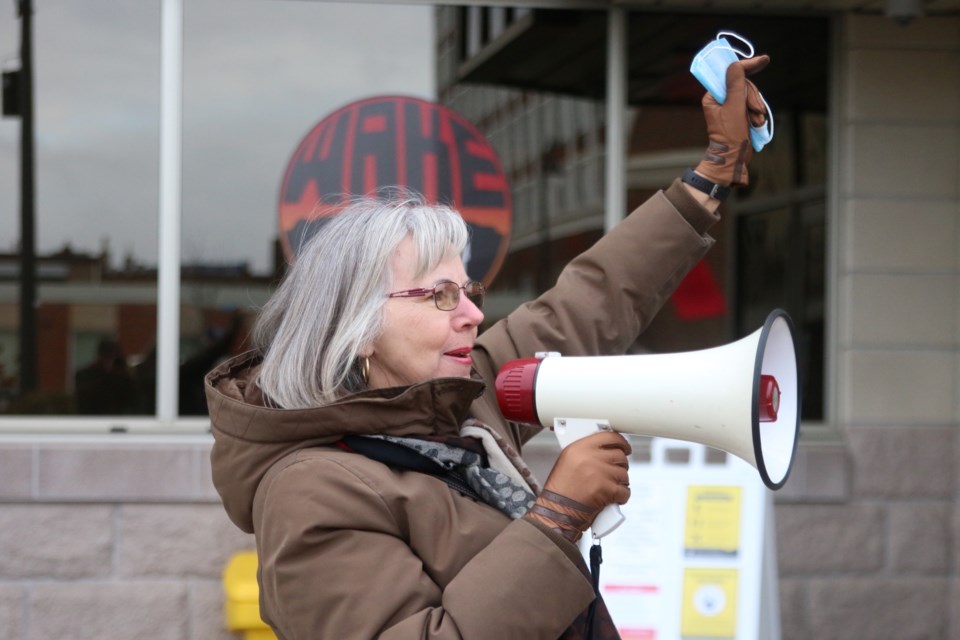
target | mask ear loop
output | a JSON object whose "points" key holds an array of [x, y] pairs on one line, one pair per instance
{"points": [[739, 37], [769, 123]]}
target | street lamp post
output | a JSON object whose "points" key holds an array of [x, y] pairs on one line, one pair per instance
{"points": [[28, 259]]}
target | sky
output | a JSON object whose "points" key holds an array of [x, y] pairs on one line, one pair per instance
{"points": [[258, 75]]}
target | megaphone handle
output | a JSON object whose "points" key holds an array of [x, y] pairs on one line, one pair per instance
{"points": [[569, 430], [607, 520]]}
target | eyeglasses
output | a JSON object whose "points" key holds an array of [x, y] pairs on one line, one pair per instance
{"points": [[446, 295]]}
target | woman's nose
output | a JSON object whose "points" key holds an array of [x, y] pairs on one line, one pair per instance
{"points": [[468, 310]]}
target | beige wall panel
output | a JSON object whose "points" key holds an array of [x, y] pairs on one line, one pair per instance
{"points": [[898, 387], [903, 160], [900, 310], [956, 397], [877, 80], [904, 236], [956, 338]]}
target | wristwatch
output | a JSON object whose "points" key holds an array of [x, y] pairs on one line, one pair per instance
{"points": [[700, 183]]}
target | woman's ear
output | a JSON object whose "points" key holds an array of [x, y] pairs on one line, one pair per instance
{"points": [[365, 351]]}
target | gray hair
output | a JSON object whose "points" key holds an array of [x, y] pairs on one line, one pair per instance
{"points": [[330, 303]]}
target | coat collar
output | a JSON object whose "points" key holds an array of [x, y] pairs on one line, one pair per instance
{"points": [[237, 408], [249, 437]]}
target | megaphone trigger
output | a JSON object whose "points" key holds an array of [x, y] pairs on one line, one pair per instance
{"points": [[570, 430]]}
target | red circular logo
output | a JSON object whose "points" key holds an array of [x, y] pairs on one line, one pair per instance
{"points": [[408, 142]]}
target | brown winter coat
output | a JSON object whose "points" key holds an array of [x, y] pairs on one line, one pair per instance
{"points": [[350, 548]]}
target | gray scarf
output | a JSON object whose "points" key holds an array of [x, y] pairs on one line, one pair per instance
{"points": [[506, 484]]}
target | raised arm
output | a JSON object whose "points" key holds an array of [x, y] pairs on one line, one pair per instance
{"points": [[607, 295]]}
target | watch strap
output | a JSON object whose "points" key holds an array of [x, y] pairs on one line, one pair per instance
{"points": [[700, 183]]}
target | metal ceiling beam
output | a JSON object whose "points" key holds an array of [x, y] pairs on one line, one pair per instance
{"points": [[526, 4], [930, 7]]}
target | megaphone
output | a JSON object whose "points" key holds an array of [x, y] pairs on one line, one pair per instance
{"points": [[742, 398]]}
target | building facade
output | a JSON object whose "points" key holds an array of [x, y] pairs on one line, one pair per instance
{"points": [[865, 191], [121, 534]]}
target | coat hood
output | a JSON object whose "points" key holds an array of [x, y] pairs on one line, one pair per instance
{"points": [[250, 437]]}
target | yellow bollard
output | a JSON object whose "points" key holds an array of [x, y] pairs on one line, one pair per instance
{"points": [[242, 605]]}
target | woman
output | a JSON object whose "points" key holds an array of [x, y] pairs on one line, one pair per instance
{"points": [[363, 445]]}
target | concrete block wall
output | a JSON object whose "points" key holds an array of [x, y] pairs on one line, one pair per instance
{"points": [[116, 537], [884, 561]]}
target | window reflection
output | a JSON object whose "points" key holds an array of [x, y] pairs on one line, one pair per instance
{"points": [[97, 121], [96, 91], [254, 85], [245, 110], [771, 237]]}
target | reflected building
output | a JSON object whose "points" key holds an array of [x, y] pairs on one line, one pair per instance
{"points": [[533, 81], [550, 146], [84, 304]]}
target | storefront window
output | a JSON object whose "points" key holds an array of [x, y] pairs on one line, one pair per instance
{"points": [[96, 91], [257, 76]]}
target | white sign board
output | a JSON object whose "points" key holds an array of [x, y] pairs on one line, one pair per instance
{"points": [[695, 556]]}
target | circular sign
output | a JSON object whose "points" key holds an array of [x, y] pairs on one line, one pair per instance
{"points": [[399, 141]]}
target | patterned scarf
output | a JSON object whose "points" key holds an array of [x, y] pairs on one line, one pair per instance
{"points": [[480, 456]]}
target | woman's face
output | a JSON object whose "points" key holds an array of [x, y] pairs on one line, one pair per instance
{"points": [[420, 342]]}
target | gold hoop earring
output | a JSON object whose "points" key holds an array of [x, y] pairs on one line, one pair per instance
{"points": [[365, 370]]}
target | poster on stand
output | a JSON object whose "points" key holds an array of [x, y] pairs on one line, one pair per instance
{"points": [[687, 561]]}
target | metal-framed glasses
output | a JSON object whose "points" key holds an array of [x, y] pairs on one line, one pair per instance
{"points": [[446, 295]]}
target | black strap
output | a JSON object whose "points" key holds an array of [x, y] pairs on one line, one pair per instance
{"points": [[700, 183], [596, 559], [397, 456]]}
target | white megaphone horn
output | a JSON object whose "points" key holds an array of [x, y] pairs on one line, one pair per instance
{"points": [[743, 398]]}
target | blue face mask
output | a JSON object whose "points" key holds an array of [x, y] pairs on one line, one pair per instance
{"points": [[709, 66], [763, 134]]}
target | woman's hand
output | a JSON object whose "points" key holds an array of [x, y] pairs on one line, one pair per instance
{"points": [[728, 125], [589, 475]]}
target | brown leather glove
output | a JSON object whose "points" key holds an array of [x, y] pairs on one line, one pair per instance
{"points": [[728, 125], [590, 474]]}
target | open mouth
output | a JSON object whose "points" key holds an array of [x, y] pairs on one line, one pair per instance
{"points": [[462, 355]]}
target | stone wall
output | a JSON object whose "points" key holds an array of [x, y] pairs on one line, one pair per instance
{"points": [[118, 537]]}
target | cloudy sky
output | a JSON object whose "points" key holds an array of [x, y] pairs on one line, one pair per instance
{"points": [[258, 75]]}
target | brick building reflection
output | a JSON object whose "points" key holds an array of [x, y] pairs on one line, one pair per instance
{"points": [[97, 329]]}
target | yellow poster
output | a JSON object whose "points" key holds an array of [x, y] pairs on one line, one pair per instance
{"points": [[709, 603], [713, 521]]}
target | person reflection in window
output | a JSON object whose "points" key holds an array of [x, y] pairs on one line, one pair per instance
{"points": [[219, 346], [106, 386]]}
